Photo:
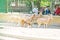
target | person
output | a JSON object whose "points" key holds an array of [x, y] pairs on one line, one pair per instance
{"points": [[47, 10], [42, 10], [57, 10], [35, 10]]}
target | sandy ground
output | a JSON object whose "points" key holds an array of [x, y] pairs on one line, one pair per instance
{"points": [[11, 31], [51, 26]]}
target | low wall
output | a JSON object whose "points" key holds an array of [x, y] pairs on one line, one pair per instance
{"points": [[56, 19]]}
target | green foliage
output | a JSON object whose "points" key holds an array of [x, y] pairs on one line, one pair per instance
{"points": [[43, 3], [28, 3]]}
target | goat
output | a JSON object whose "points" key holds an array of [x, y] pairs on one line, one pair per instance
{"points": [[44, 20]]}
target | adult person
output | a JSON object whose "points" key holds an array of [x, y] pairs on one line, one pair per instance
{"points": [[57, 10]]}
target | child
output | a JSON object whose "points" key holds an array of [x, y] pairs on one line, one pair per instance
{"points": [[35, 11], [47, 10]]}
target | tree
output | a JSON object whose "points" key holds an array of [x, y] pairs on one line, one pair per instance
{"points": [[32, 3], [37, 3]]}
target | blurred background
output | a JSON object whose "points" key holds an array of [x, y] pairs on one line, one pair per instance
{"points": [[25, 5]]}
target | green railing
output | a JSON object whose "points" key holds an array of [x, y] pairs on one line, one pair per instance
{"points": [[3, 6]]}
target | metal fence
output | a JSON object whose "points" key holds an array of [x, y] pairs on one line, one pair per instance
{"points": [[18, 6]]}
